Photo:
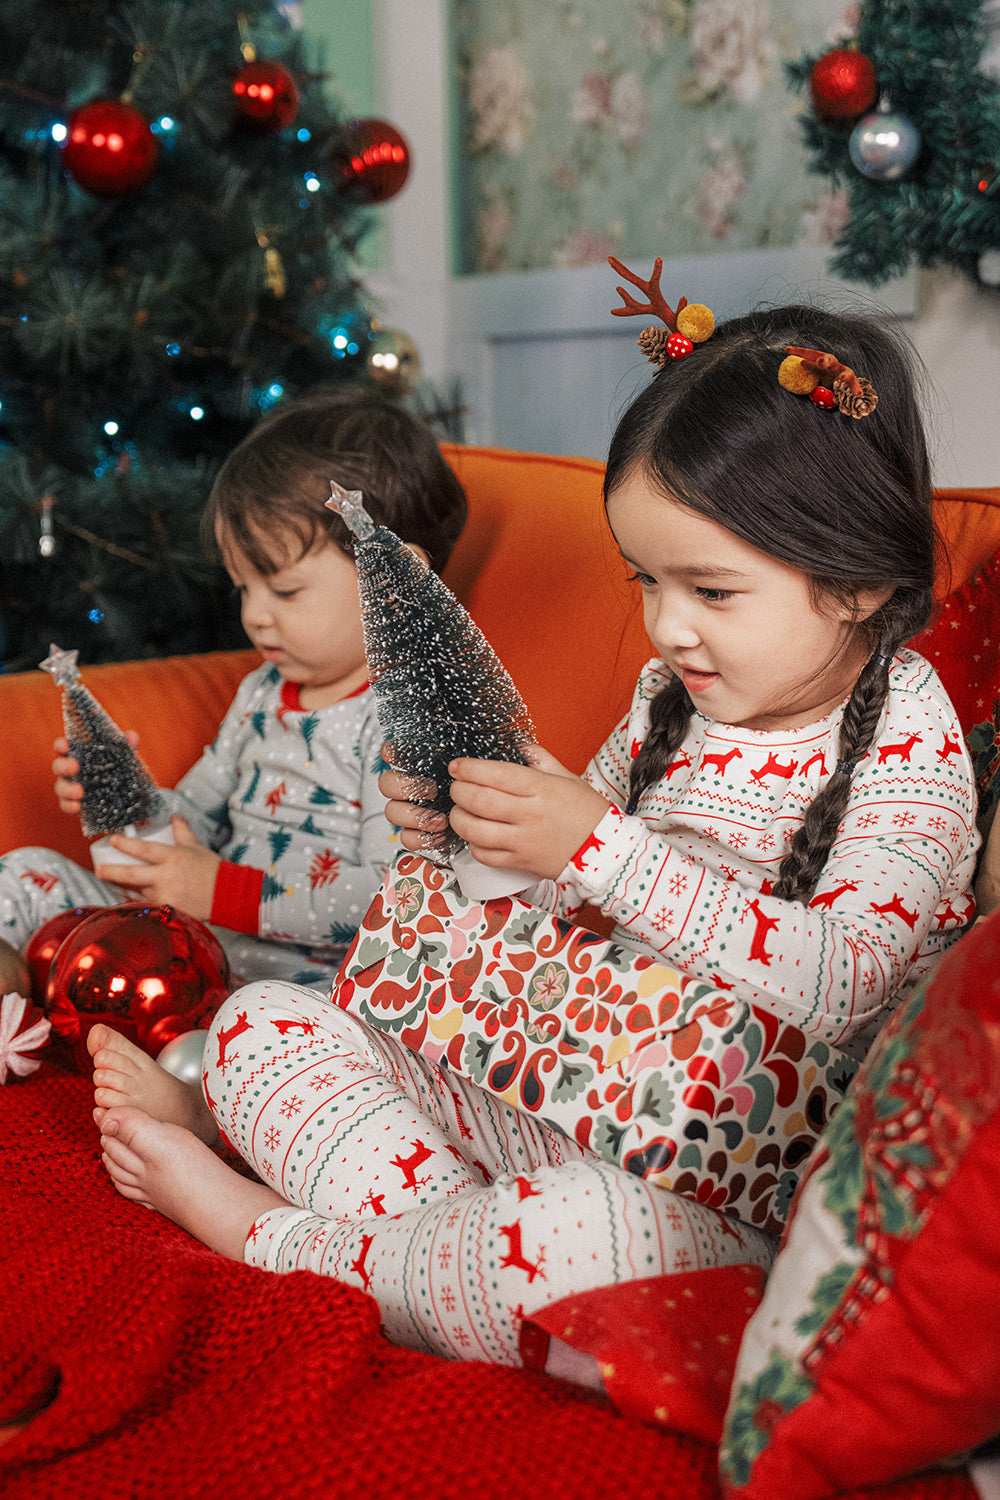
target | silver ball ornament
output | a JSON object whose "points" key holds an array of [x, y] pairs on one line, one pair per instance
{"points": [[884, 145], [988, 268], [183, 1056]]}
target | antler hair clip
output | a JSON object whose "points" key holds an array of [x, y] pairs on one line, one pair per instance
{"points": [[802, 371], [687, 324]]}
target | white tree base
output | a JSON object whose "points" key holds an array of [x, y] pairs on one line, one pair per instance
{"points": [[480, 882], [103, 852]]}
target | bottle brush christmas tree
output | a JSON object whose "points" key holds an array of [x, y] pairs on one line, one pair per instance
{"points": [[118, 791], [440, 689]]}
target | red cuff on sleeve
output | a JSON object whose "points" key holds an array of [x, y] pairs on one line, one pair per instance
{"points": [[236, 898]]}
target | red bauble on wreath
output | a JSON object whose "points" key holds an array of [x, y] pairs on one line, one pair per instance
{"points": [[110, 149], [843, 85], [372, 159], [150, 972], [265, 95]]}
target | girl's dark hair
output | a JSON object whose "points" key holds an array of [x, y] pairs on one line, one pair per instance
{"points": [[846, 500], [277, 480]]}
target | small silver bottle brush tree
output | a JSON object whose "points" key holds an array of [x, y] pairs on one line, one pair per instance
{"points": [[119, 794], [440, 689]]}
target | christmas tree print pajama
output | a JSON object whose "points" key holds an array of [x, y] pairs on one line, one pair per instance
{"points": [[289, 799], [457, 1213]]}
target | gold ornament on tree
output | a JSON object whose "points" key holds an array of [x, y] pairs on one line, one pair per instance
{"points": [[393, 361]]}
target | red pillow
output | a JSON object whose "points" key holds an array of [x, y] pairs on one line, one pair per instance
{"points": [[963, 645]]}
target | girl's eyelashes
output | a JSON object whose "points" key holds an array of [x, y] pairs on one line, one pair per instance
{"points": [[710, 595]]}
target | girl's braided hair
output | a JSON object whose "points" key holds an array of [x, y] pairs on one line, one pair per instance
{"points": [[847, 502]]}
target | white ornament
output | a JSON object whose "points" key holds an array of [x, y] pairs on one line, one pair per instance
{"points": [[988, 267], [13, 1043], [183, 1056]]}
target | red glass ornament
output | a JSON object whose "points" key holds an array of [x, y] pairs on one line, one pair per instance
{"points": [[109, 149], [843, 85], [678, 347], [265, 95], [45, 944], [820, 396], [150, 972], [373, 161]]}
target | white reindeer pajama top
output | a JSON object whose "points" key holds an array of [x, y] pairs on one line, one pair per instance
{"points": [[689, 876]]}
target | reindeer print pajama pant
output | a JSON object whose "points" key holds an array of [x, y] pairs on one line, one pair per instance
{"points": [[457, 1213]]}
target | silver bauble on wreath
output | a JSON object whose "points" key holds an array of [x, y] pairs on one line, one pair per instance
{"points": [[884, 144]]}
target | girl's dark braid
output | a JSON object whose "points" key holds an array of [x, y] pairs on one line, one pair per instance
{"points": [[669, 715], [810, 848]]}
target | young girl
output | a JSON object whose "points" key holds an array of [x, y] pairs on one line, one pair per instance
{"points": [[787, 812], [280, 838]]}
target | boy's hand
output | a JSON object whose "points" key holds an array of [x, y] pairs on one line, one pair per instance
{"points": [[69, 792], [523, 817], [181, 874]]}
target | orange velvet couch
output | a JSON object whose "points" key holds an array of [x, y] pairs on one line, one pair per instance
{"points": [[537, 569]]}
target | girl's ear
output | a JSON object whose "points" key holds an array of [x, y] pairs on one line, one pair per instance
{"points": [[870, 600], [418, 551]]}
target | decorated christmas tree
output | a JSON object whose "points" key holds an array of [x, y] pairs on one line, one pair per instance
{"points": [[440, 690], [906, 116], [118, 791], [180, 203]]}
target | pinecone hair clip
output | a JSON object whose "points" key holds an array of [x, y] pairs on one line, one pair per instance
{"points": [[802, 372], [686, 325]]}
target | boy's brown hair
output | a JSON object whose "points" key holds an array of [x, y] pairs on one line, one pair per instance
{"points": [[278, 479]]}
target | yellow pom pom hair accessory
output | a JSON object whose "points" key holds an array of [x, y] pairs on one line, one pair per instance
{"points": [[688, 324], [805, 372]]}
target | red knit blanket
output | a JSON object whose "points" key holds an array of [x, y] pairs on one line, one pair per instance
{"points": [[151, 1367]]}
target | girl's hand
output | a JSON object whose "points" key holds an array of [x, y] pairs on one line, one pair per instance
{"points": [[69, 792], [181, 874], [523, 817], [420, 826]]}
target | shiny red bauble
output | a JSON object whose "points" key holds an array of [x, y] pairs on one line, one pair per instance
{"points": [[45, 944], [265, 96], [150, 972], [822, 397], [109, 149], [372, 159], [843, 85]]}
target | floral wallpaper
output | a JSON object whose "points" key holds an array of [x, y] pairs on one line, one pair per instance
{"points": [[651, 127]]}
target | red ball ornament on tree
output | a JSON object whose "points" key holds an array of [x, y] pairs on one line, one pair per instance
{"points": [[373, 160], [265, 96], [843, 85], [110, 149], [150, 972]]}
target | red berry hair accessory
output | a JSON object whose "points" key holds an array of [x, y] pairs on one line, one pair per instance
{"points": [[687, 324], [802, 372]]}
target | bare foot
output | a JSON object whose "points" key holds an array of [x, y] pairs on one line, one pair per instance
{"points": [[125, 1076], [165, 1167], [14, 978]]}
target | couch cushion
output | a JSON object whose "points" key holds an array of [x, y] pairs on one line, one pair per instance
{"points": [[876, 1349], [963, 644]]}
